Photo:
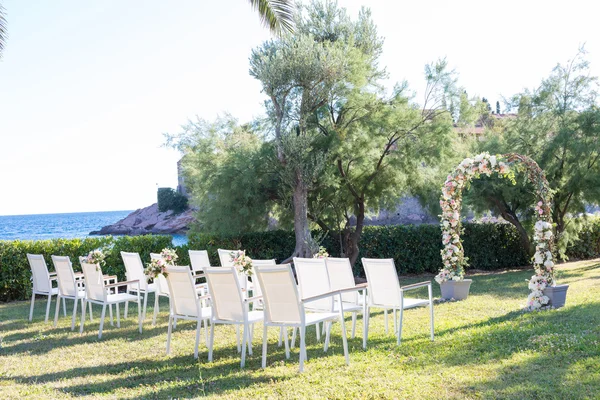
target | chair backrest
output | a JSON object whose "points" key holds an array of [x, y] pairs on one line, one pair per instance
{"points": [[384, 287], [163, 285], [199, 260], [39, 270], [225, 257], [134, 268], [257, 290], [184, 299], [94, 283], [280, 294], [66, 277], [341, 277], [313, 280], [225, 293]]}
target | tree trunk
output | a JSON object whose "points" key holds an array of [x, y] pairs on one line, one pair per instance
{"points": [[352, 237], [304, 239], [511, 217]]}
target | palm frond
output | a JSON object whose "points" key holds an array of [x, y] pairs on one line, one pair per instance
{"points": [[277, 15], [2, 30]]}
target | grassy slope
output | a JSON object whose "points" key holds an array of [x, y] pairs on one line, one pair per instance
{"points": [[485, 347]]}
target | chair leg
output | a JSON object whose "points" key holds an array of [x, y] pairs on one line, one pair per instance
{"points": [[90, 307], [353, 324], [48, 307], [344, 338], [431, 310], [145, 304], [385, 317], [287, 346], [366, 315], [395, 319], [400, 323], [57, 310], [64, 307], [302, 347], [206, 330], [118, 315], [318, 331], [31, 308], [244, 341], [102, 321], [169, 330], [264, 349], [74, 314], [327, 333], [280, 336], [140, 319], [250, 335], [82, 321], [126, 309], [211, 341], [237, 337], [293, 342], [155, 309], [110, 314], [198, 325]]}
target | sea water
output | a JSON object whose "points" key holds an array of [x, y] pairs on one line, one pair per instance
{"points": [[67, 226]]}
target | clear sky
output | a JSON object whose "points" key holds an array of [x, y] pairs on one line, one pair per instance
{"points": [[87, 88]]}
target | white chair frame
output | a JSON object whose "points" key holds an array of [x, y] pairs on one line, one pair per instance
{"points": [[42, 283], [97, 292], [223, 312], [383, 281], [201, 313], [293, 307], [70, 286], [134, 271]]}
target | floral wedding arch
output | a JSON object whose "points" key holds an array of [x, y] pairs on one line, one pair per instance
{"points": [[485, 164]]}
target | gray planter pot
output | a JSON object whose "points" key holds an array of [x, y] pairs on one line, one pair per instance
{"points": [[557, 295], [456, 290]]}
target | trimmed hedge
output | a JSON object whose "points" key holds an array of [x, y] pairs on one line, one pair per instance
{"points": [[15, 273], [415, 249]]}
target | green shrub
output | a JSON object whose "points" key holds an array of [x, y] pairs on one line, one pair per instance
{"points": [[15, 273], [588, 243], [414, 248], [169, 199]]}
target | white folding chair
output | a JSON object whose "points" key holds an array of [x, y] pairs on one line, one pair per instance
{"points": [[199, 260], [134, 271], [162, 288], [42, 282], [385, 292], [284, 307], [69, 287], [185, 302], [97, 292], [225, 259], [230, 306], [340, 275]]}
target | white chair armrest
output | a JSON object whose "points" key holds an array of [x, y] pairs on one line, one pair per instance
{"points": [[124, 283], [416, 285], [252, 299]]}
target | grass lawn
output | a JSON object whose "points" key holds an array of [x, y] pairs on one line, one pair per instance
{"points": [[485, 347]]}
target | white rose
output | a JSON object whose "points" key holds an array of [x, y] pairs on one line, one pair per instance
{"points": [[538, 258], [548, 264], [539, 225], [493, 161]]}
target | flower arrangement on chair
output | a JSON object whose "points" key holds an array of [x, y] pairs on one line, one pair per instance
{"points": [[159, 266], [322, 253], [242, 262], [96, 257]]}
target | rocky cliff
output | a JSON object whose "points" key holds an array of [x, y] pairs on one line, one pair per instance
{"points": [[149, 220]]}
